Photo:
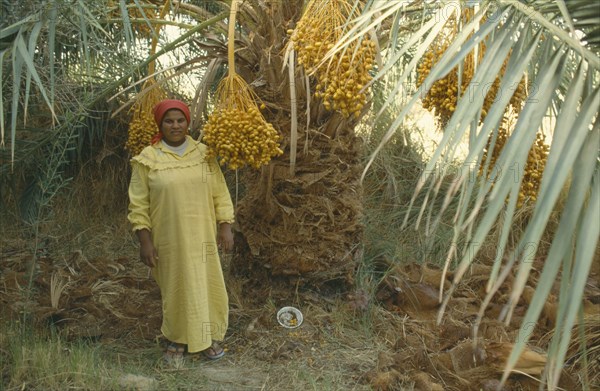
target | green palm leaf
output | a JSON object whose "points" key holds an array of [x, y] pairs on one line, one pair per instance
{"points": [[541, 38]]}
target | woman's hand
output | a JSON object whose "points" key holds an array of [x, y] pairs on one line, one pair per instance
{"points": [[148, 253], [225, 237]]}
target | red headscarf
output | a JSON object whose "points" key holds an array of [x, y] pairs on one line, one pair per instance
{"points": [[160, 110]]}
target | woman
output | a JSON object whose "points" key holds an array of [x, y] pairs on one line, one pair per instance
{"points": [[181, 212]]}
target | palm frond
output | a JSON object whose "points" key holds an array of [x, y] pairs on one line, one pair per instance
{"points": [[555, 45]]}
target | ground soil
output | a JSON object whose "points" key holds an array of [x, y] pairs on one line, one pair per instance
{"points": [[383, 339]]}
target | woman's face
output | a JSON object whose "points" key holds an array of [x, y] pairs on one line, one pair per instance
{"points": [[174, 127]]}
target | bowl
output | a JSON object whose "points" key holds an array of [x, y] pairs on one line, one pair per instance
{"points": [[289, 317]]}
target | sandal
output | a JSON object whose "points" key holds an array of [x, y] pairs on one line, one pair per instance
{"points": [[174, 353], [214, 352]]}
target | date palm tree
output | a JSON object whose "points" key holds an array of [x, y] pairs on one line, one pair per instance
{"points": [[300, 215]]}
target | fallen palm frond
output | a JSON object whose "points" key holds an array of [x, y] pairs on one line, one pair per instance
{"points": [[106, 287], [57, 287]]}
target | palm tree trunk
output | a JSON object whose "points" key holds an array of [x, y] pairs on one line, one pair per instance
{"points": [[305, 224]]}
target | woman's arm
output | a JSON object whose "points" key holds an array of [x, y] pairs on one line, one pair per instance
{"points": [[223, 207], [139, 212]]}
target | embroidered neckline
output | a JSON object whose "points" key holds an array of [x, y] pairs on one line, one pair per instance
{"points": [[155, 158]]}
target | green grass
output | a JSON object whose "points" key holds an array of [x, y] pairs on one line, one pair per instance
{"points": [[32, 360], [43, 359], [389, 187]]}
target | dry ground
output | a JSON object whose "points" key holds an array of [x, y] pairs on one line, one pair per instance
{"points": [[383, 338]]}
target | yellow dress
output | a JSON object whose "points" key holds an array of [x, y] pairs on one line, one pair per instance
{"points": [[180, 199]]}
